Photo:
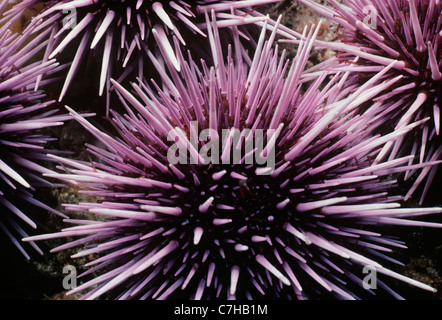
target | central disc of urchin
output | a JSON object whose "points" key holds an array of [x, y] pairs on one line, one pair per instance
{"points": [[231, 198], [234, 208]]}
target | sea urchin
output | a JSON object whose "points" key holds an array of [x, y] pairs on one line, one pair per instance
{"points": [[23, 113], [293, 216], [408, 31], [117, 33]]}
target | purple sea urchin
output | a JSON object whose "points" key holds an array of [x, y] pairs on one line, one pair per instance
{"points": [[410, 31], [118, 31], [23, 112], [209, 227]]}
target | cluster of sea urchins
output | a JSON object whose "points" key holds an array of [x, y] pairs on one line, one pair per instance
{"points": [[23, 113], [121, 31], [373, 34], [239, 181]]}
